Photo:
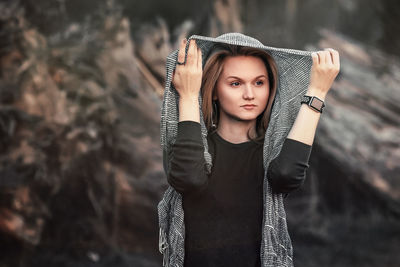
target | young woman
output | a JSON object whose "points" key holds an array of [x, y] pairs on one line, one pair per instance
{"points": [[233, 210]]}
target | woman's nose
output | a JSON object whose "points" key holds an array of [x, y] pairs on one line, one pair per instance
{"points": [[248, 92]]}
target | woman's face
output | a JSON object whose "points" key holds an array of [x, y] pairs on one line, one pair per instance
{"points": [[242, 88]]}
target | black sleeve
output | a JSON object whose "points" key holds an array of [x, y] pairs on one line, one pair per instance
{"points": [[287, 172], [187, 171]]}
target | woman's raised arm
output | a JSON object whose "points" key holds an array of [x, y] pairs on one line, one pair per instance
{"points": [[324, 70], [187, 172]]}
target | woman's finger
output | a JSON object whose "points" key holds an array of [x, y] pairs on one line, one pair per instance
{"points": [[314, 57], [199, 59], [181, 52], [321, 56], [328, 57], [335, 58], [192, 51]]}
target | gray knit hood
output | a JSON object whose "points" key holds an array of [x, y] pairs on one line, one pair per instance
{"points": [[294, 68]]}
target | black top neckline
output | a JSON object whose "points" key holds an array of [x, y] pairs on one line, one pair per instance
{"points": [[224, 142]]}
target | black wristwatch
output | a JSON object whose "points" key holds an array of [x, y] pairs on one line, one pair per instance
{"points": [[313, 102]]}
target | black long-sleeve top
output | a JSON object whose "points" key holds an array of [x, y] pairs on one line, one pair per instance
{"points": [[224, 210]]}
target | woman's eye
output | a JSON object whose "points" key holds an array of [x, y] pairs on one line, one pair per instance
{"points": [[235, 84], [259, 82]]}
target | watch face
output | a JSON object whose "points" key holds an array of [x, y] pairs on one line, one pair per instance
{"points": [[316, 103]]}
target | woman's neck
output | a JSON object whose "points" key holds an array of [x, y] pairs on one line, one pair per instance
{"points": [[235, 131]]}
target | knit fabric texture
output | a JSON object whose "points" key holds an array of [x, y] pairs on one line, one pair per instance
{"points": [[294, 67]]}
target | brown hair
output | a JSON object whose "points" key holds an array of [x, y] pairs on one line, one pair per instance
{"points": [[211, 73]]}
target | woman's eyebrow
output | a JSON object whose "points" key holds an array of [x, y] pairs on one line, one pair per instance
{"points": [[262, 75], [235, 77]]}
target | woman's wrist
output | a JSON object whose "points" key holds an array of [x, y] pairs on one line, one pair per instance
{"points": [[192, 98], [313, 91], [189, 108]]}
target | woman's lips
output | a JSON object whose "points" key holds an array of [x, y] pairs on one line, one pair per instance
{"points": [[248, 107]]}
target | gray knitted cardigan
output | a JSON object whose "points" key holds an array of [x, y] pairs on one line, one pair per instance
{"points": [[294, 73]]}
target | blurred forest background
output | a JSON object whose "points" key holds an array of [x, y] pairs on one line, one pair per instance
{"points": [[81, 84]]}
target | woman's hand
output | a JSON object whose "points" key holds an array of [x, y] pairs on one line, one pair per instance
{"points": [[325, 68], [187, 77], [187, 81]]}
